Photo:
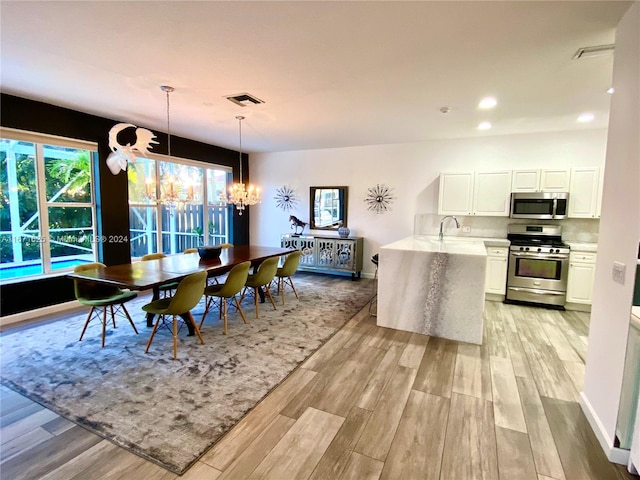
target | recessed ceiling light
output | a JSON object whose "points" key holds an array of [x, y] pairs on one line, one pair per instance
{"points": [[586, 117], [484, 125], [611, 91], [487, 102]]}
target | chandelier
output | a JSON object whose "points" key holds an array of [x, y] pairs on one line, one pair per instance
{"points": [[172, 193], [239, 195]]}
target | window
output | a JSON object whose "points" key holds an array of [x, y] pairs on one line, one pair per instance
{"points": [[47, 208], [181, 210]]}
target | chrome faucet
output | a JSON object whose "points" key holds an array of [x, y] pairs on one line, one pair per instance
{"points": [[441, 235]]}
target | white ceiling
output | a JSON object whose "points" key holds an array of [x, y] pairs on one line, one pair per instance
{"points": [[332, 74]]}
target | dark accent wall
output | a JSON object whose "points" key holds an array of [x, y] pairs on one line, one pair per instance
{"points": [[111, 190]]}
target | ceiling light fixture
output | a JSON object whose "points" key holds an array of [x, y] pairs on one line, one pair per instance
{"points": [[487, 103], [484, 125], [238, 195], [586, 117], [171, 192]]}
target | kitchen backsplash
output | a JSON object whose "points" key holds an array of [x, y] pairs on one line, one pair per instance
{"points": [[583, 230]]}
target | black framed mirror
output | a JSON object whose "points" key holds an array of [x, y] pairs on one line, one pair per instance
{"points": [[327, 207]]}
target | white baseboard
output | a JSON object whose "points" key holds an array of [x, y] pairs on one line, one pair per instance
{"points": [[614, 454], [36, 314]]}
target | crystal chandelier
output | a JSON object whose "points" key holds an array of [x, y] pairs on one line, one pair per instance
{"points": [[170, 191], [239, 195]]}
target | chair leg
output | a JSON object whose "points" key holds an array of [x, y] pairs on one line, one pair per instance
{"points": [[175, 337], [113, 317], [223, 304], [104, 324], [206, 310], [244, 320], [124, 309], [153, 332], [255, 299], [86, 324], [293, 287], [195, 327], [281, 287], [267, 290]]}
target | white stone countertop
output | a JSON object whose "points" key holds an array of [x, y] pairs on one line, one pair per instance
{"points": [[635, 317], [583, 247], [431, 243]]}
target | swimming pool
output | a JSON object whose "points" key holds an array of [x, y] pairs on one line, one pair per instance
{"points": [[15, 271]]}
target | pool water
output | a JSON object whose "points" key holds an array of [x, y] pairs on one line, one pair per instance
{"points": [[16, 271]]}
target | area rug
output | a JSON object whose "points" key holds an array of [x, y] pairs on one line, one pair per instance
{"points": [[171, 412]]}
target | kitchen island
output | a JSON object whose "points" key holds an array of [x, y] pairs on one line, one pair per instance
{"points": [[433, 287]]}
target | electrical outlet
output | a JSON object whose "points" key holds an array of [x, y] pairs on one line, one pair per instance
{"points": [[466, 229], [618, 272]]}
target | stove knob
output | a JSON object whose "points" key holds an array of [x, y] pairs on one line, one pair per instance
{"points": [[526, 249], [557, 250], [551, 250], [539, 250]]}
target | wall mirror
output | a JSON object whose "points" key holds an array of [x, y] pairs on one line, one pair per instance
{"points": [[328, 207]]}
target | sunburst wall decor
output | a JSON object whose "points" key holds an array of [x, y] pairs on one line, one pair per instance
{"points": [[379, 198], [285, 198]]}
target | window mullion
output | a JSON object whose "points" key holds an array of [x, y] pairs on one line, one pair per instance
{"points": [[41, 189]]}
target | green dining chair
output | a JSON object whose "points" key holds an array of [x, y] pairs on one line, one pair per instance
{"points": [[167, 289], [101, 298], [262, 278], [229, 289], [187, 296], [284, 273]]}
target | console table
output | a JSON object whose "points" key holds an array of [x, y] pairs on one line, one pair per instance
{"points": [[326, 254]]}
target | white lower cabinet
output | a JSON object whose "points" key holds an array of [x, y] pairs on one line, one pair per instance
{"points": [[582, 269], [496, 279]]}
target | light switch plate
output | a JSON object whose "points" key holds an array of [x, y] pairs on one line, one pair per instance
{"points": [[618, 272], [466, 229]]}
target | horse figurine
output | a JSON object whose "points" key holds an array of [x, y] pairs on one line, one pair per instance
{"points": [[295, 223]]}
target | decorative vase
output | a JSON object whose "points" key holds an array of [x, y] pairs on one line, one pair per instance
{"points": [[343, 232]]}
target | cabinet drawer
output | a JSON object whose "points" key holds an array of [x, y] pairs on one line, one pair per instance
{"points": [[582, 257], [497, 251]]}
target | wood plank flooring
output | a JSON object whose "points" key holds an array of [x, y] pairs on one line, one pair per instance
{"points": [[374, 403]]}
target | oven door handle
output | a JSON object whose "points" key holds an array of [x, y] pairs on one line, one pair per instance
{"points": [[536, 291], [542, 256]]}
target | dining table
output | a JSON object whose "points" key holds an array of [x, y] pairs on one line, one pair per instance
{"points": [[152, 274]]}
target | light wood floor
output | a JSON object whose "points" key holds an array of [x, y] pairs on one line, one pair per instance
{"points": [[375, 403]]}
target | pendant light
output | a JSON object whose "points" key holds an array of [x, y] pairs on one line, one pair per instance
{"points": [[239, 195]]}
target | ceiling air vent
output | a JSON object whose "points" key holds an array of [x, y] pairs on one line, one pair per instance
{"points": [[243, 99], [597, 51]]}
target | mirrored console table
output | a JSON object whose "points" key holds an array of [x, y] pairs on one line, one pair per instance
{"points": [[327, 254]]}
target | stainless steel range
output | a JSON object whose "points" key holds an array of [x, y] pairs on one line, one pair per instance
{"points": [[538, 265]]}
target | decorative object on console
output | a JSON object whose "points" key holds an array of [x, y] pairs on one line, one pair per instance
{"points": [[343, 231], [285, 198], [117, 161], [297, 223], [379, 198], [239, 195]]}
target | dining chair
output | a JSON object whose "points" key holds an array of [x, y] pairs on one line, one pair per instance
{"points": [[262, 278], [284, 273], [167, 289], [101, 298], [229, 289], [186, 297]]}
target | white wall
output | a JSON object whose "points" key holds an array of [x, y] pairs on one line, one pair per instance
{"points": [[619, 236], [412, 170]]}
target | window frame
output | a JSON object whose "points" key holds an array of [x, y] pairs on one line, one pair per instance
{"points": [[40, 140]]}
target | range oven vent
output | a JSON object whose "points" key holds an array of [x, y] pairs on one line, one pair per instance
{"points": [[243, 99]]}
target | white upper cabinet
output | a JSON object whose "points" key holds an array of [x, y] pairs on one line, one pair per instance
{"points": [[479, 193], [491, 193], [536, 180], [584, 192], [456, 191]]}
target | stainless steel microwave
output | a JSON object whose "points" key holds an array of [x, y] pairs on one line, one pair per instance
{"points": [[540, 205]]}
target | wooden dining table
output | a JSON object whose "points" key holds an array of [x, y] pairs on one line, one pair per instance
{"points": [[154, 273]]}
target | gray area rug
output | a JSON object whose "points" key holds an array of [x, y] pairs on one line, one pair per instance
{"points": [[172, 412]]}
